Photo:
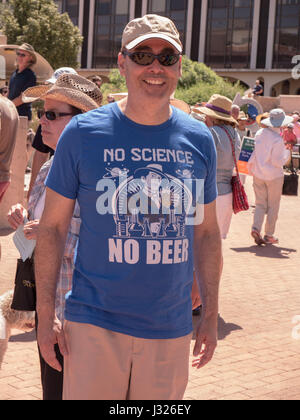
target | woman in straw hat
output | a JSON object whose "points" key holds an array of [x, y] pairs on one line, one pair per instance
{"points": [[70, 95], [266, 166], [222, 125], [22, 78]]}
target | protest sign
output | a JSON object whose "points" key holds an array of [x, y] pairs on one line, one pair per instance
{"points": [[248, 144]]}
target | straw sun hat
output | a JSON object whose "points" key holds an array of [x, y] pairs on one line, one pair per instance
{"points": [[218, 107], [183, 106], [72, 89]]}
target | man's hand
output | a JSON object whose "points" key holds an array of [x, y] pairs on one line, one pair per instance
{"points": [[47, 336], [206, 342]]}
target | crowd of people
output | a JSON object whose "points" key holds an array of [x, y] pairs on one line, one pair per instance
{"points": [[116, 289]]}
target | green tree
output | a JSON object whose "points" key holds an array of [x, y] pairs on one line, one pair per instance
{"points": [[197, 84], [39, 23]]}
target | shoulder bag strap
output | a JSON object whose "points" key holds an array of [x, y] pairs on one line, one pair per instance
{"points": [[232, 148]]}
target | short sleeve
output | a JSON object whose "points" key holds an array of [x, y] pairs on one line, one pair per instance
{"points": [[210, 183], [63, 177]]}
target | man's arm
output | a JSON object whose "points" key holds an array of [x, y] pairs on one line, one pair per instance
{"points": [[260, 92], [52, 234], [208, 268], [18, 100]]}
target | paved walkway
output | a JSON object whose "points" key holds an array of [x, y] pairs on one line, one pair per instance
{"points": [[257, 356]]}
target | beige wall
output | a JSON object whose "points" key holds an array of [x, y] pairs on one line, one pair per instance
{"points": [[270, 77]]}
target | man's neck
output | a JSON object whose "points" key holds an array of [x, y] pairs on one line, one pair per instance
{"points": [[151, 114], [21, 68]]}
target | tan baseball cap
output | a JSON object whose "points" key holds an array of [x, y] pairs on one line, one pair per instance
{"points": [[28, 48], [150, 26]]}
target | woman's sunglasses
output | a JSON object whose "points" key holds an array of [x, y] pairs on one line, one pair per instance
{"points": [[52, 115], [20, 54], [147, 58]]}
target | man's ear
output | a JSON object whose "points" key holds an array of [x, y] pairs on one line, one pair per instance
{"points": [[121, 63]]}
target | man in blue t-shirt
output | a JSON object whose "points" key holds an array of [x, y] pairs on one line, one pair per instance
{"points": [[144, 175]]}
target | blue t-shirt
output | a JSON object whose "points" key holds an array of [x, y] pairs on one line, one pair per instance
{"points": [[134, 269], [18, 83]]}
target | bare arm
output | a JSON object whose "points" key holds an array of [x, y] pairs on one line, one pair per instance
{"points": [[52, 233], [208, 267], [18, 101]]}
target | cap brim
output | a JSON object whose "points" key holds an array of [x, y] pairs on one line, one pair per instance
{"points": [[142, 38], [51, 80]]}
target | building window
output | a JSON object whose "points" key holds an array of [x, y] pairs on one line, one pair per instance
{"points": [[229, 33], [111, 17], [176, 10], [287, 33], [71, 7], [263, 34]]}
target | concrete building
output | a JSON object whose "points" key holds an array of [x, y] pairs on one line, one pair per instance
{"points": [[241, 40]]}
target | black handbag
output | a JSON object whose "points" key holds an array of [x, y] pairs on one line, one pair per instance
{"points": [[24, 298], [290, 184]]}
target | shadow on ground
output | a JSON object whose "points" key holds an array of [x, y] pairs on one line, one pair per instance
{"points": [[224, 328], [6, 231], [23, 337], [269, 251]]}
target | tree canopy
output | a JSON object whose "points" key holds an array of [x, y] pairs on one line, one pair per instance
{"points": [[39, 23]]}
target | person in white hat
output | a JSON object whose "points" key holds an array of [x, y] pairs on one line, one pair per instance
{"points": [[266, 166], [129, 315]]}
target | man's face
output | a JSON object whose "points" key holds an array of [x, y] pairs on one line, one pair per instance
{"points": [[23, 58], [155, 81]]}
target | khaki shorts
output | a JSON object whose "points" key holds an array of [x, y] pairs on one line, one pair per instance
{"points": [[106, 365]]}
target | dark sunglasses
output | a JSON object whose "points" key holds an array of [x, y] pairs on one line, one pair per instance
{"points": [[51, 115], [20, 54], [147, 58]]}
